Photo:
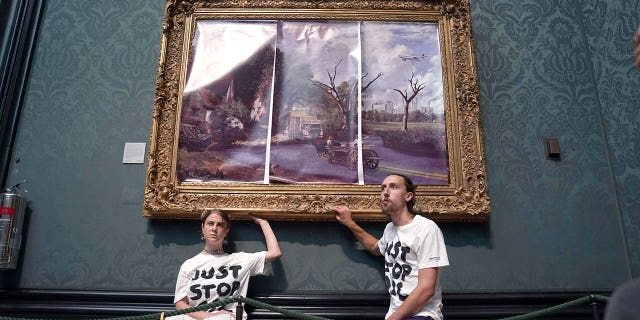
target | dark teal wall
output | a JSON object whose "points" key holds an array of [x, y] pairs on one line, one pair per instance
{"points": [[564, 69], [547, 69], [618, 87]]}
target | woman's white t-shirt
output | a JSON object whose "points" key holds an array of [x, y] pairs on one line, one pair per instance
{"points": [[207, 278]]}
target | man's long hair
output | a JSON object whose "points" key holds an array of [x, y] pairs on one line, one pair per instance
{"points": [[410, 187]]}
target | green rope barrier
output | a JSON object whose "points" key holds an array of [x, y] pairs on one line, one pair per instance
{"points": [[302, 316], [183, 311], [289, 313], [151, 315], [566, 305], [156, 316]]}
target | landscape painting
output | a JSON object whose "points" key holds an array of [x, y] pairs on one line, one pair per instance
{"points": [[329, 77]]}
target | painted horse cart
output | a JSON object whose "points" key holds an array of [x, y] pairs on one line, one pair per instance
{"points": [[347, 153]]}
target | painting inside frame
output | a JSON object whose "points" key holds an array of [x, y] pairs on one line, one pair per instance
{"points": [[289, 112]]}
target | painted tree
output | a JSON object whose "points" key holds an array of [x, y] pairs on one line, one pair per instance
{"points": [[344, 94], [415, 89]]}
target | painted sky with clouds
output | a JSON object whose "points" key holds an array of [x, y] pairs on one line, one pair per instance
{"points": [[384, 43]]}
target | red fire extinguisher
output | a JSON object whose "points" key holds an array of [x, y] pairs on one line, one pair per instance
{"points": [[12, 207]]}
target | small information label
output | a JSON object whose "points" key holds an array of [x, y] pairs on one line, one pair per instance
{"points": [[133, 152], [6, 210]]}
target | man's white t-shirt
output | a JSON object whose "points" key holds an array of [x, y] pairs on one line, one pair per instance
{"points": [[206, 278], [407, 249]]}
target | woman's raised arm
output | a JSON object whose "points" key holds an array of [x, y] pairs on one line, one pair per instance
{"points": [[273, 249]]}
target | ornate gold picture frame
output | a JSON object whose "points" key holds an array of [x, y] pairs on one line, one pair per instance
{"points": [[231, 131]]}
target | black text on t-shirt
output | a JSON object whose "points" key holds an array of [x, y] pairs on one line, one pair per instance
{"points": [[222, 288], [396, 268]]}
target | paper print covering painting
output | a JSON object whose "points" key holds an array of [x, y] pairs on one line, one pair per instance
{"points": [[315, 112], [319, 98], [225, 111]]}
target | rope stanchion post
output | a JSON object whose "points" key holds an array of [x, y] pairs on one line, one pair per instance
{"points": [[239, 310], [594, 307]]}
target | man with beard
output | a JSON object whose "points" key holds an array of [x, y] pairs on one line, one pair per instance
{"points": [[413, 248]]}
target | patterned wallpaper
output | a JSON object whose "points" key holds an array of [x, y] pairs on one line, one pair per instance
{"points": [[618, 85], [547, 69]]}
